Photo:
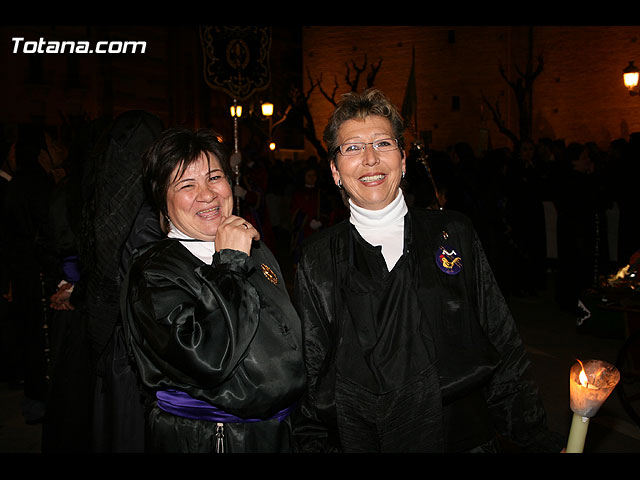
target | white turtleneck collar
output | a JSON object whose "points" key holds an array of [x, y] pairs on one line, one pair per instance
{"points": [[199, 248], [383, 227]]}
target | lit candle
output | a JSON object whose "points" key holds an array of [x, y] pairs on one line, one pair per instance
{"points": [[589, 386]]}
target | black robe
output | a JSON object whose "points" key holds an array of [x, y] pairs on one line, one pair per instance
{"points": [[423, 360], [226, 334]]}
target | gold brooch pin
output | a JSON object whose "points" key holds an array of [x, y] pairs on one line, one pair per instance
{"points": [[269, 274]]}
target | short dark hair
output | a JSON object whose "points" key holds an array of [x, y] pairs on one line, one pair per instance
{"points": [[353, 105], [179, 147]]}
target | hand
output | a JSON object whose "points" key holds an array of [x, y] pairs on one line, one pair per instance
{"points": [[61, 299], [315, 224], [235, 233]]}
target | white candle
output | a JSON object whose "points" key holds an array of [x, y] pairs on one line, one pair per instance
{"points": [[578, 434], [589, 385]]}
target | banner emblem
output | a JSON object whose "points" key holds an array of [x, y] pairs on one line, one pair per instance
{"points": [[236, 59]]}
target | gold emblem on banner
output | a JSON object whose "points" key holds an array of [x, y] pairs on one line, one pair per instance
{"points": [[236, 59], [271, 276]]}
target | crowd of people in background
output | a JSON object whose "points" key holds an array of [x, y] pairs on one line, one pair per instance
{"points": [[50, 197], [507, 193]]}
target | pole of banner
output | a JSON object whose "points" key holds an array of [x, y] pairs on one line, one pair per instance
{"points": [[236, 158]]}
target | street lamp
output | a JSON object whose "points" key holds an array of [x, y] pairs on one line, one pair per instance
{"points": [[267, 111], [236, 157], [236, 112], [630, 76]]}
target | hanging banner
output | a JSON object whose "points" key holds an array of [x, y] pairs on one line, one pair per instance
{"points": [[236, 59]]}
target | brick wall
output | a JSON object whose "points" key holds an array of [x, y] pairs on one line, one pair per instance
{"points": [[579, 95]]}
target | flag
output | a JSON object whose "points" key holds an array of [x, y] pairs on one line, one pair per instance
{"points": [[410, 102], [236, 59]]}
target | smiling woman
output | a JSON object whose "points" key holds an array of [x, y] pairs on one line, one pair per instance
{"points": [[370, 165], [199, 198], [409, 344], [214, 335]]}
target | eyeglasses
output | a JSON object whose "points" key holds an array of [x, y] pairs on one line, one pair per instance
{"points": [[356, 148]]}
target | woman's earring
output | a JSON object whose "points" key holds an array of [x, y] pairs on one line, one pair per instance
{"points": [[340, 184], [403, 174]]}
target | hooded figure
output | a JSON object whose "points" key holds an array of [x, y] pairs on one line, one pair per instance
{"points": [[116, 220]]}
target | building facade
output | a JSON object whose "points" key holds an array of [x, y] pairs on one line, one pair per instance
{"points": [[578, 96]]}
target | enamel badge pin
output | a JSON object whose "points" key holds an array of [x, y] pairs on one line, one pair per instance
{"points": [[448, 259], [271, 276]]}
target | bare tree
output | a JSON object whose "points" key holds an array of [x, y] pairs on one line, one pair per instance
{"points": [[522, 89], [352, 77], [300, 101]]}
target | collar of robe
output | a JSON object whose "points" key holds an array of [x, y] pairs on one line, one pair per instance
{"points": [[198, 248], [383, 227]]}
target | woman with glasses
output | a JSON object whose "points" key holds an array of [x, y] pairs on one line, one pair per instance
{"points": [[409, 344]]}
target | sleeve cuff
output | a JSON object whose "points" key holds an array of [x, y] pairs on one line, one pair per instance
{"points": [[234, 261]]}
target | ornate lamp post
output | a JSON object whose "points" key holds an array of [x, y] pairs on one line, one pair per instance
{"points": [[236, 112], [267, 111], [236, 157]]}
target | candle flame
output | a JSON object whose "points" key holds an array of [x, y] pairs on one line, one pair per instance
{"points": [[584, 381]]}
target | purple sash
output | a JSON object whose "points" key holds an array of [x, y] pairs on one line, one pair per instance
{"points": [[70, 269], [183, 405]]}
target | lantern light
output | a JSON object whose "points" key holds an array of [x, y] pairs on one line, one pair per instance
{"points": [[236, 110], [267, 109], [630, 76]]}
